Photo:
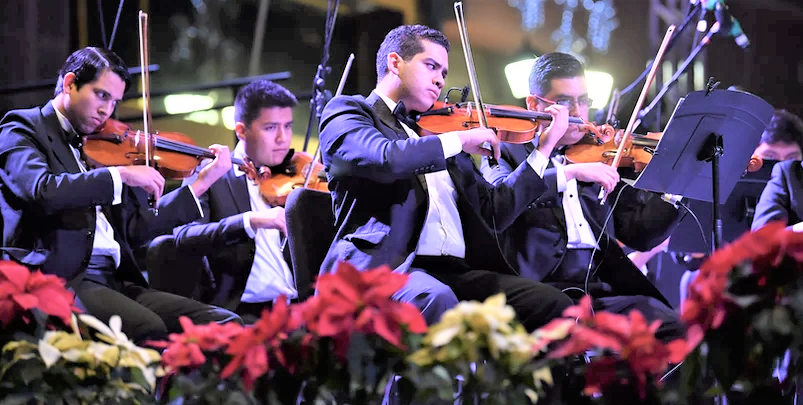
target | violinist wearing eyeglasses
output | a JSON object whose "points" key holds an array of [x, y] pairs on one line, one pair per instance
{"points": [[563, 240]]}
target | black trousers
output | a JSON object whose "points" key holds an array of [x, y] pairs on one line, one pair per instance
{"points": [[570, 278], [535, 303], [252, 311], [146, 314]]}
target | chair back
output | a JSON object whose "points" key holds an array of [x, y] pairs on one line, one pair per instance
{"points": [[171, 272], [310, 231]]}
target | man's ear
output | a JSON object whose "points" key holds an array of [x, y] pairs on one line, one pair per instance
{"points": [[239, 129], [67, 82], [532, 102], [394, 61]]}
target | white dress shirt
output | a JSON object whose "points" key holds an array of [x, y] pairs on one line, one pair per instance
{"points": [[442, 234], [270, 275], [104, 243], [580, 235]]}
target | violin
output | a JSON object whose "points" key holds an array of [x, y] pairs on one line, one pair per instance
{"points": [[173, 154], [513, 124], [299, 172], [636, 153]]}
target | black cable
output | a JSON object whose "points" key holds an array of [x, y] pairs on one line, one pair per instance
{"points": [[699, 225], [672, 41], [102, 25], [116, 22]]}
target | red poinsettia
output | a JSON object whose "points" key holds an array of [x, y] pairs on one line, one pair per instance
{"points": [[630, 337], [765, 248], [21, 290], [350, 300], [253, 349], [187, 349]]}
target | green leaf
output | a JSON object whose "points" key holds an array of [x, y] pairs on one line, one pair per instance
{"points": [[236, 398], [727, 350], [31, 370], [17, 399]]}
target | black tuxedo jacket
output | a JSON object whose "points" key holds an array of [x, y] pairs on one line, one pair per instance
{"points": [[782, 196], [378, 188], [220, 236], [641, 221], [48, 204]]}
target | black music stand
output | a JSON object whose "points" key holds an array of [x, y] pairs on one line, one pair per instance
{"points": [[737, 214], [705, 148]]}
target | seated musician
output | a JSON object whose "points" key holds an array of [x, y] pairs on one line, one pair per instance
{"points": [[418, 204], [782, 141], [240, 233], [781, 198], [80, 223], [564, 240]]}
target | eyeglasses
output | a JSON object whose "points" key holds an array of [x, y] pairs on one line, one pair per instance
{"points": [[569, 103]]}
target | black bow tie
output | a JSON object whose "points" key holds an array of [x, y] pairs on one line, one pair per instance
{"points": [[401, 114], [75, 140]]}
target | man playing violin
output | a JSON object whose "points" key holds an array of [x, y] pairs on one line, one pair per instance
{"points": [[240, 233], [418, 204], [81, 223], [567, 239]]}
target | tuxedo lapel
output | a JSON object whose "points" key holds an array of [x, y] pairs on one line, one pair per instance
{"points": [[797, 191], [239, 191], [56, 134], [385, 115]]}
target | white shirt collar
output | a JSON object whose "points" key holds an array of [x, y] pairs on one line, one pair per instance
{"points": [[390, 103], [239, 153], [63, 121]]}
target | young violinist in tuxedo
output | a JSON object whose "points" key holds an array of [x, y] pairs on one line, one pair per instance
{"points": [[240, 233], [782, 198], [558, 238], [81, 223], [418, 204]]}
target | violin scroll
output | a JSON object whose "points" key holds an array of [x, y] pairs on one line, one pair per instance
{"points": [[755, 163]]}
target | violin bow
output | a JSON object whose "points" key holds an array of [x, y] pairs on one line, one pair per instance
{"points": [[472, 74], [147, 119], [337, 93], [631, 124]]}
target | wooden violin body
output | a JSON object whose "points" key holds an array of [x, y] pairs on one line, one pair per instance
{"points": [[117, 144], [173, 154], [512, 124], [275, 187], [444, 118], [637, 151]]}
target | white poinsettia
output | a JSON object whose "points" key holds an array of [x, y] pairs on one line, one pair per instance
{"points": [[132, 356]]}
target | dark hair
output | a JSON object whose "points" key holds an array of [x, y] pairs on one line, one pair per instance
{"points": [[784, 127], [554, 65], [406, 41], [89, 63], [258, 95]]}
